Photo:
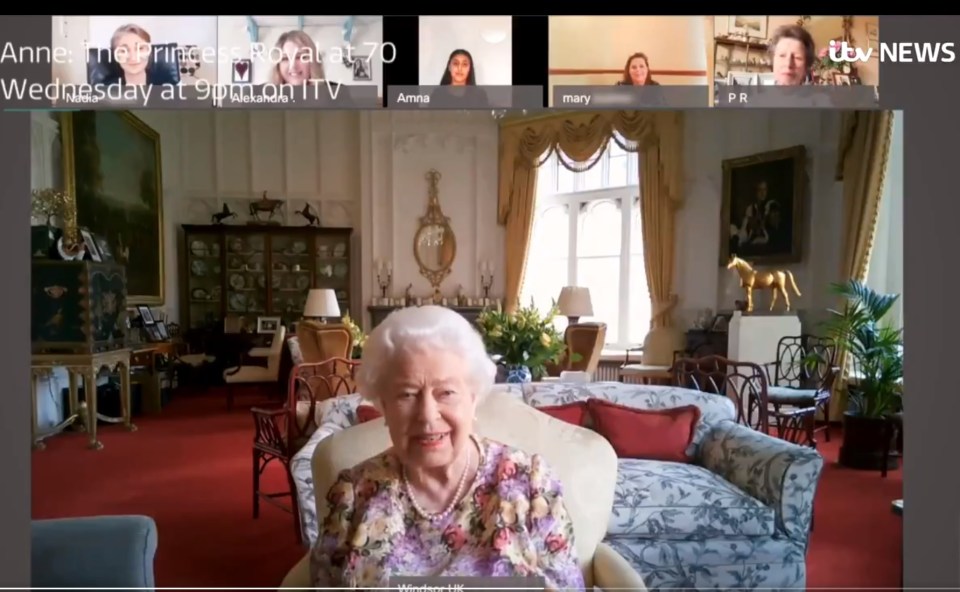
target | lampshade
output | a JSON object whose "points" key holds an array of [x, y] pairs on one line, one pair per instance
{"points": [[575, 301], [321, 303]]}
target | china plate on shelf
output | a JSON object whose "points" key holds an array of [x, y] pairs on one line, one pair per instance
{"points": [[237, 282], [238, 302]]}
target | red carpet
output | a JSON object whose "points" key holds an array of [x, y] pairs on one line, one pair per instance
{"points": [[190, 469]]}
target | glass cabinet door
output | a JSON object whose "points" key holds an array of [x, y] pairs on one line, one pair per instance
{"points": [[290, 275], [333, 267], [246, 274], [203, 279]]}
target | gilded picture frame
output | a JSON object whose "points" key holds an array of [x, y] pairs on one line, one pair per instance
{"points": [[763, 207], [112, 167]]}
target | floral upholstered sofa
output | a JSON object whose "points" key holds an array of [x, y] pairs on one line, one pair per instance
{"points": [[737, 514]]}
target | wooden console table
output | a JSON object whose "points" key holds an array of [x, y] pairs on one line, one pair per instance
{"points": [[86, 368]]}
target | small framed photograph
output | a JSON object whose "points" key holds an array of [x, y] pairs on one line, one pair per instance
{"points": [[741, 79], [361, 69], [240, 73], [162, 330], [268, 324], [106, 255], [90, 244], [153, 334], [146, 315]]}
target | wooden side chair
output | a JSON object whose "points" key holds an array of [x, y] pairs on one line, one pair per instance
{"points": [[800, 382], [744, 383], [280, 432]]}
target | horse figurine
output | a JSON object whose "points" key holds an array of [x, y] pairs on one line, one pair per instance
{"points": [[307, 214], [224, 214], [751, 279], [265, 205]]}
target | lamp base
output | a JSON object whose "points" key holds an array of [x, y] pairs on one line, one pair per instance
{"points": [[573, 320]]}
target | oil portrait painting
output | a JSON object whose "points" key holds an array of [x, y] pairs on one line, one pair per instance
{"points": [[762, 218], [112, 167]]}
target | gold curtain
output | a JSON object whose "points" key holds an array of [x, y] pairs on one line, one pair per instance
{"points": [[525, 145], [862, 166]]}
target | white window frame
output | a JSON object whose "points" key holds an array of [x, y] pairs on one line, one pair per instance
{"points": [[579, 200]]}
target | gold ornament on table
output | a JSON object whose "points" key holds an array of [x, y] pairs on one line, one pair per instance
{"points": [[775, 281]]}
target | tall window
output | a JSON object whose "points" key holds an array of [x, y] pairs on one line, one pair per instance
{"points": [[885, 272], [586, 232]]}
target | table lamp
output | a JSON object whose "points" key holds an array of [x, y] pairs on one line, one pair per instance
{"points": [[321, 304], [574, 302]]}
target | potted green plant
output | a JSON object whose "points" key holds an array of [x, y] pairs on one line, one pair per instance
{"points": [[874, 352], [525, 340], [356, 334]]}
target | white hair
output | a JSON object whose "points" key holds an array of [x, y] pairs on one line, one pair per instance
{"points": [[411, 328]]}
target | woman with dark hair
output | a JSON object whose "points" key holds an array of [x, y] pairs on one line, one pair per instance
{"points": [[793, 54], [460, 70], [636, 72]]}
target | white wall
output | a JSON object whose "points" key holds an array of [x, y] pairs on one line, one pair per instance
{"points": [[234, 41], [603, 43], [74, 32], [714, 135], [398, 148], [489, 39]]}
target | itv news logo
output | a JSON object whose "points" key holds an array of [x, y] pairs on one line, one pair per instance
{"points": [[904, 52]]}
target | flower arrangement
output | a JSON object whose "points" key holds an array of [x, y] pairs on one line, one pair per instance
{"points": [[356, 333], [825, 67], [524, 338]]}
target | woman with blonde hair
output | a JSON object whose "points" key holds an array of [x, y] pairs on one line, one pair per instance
{"points": [[299, 60], [132, 61], [442, 500]]}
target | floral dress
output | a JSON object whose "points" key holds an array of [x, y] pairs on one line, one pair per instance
{"points": [[511, 522]]}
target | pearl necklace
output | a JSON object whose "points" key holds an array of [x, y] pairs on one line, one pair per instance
{"points": [[437, 516]]}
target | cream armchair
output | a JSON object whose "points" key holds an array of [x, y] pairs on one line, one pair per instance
{"points": [[253, 374], [585, 462]]}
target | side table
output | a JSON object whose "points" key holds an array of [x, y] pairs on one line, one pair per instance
{"points": [[86, 368]]}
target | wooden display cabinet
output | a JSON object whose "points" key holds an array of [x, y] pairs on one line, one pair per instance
{"points": [[260, 271]]}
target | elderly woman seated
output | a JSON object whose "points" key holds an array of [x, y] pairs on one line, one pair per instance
{"points": [[441, 501]]}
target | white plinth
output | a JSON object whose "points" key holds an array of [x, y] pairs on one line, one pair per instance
{"points": [[754, 338]]}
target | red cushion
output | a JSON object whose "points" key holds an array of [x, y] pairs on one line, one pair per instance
{"points": [[651, 434], [569, 412], [367, 413]]}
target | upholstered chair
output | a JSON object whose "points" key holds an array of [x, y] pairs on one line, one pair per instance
{"points": [[584, 460]]}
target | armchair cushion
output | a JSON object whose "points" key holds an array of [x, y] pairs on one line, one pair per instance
{"points": [[671, 500], [93, 552], [797, 397], [780, 474]]}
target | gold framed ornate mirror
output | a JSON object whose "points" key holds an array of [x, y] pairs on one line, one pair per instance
{"points": [[434, 244]]}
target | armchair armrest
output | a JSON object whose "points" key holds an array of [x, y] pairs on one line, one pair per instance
{"points": [[260, 352], [612, 572], [780, 474], [95, 552]]}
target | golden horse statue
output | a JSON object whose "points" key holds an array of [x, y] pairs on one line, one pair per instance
{"points": [[775, 281]]}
